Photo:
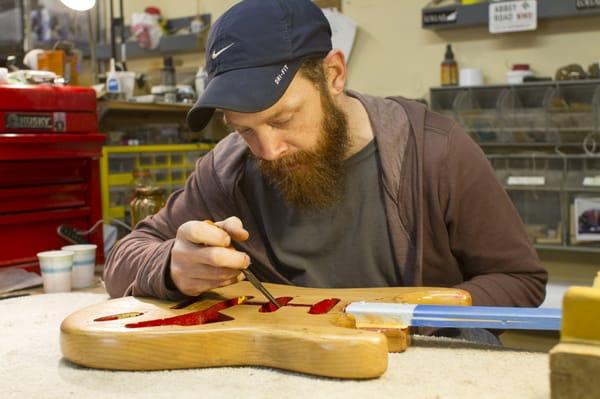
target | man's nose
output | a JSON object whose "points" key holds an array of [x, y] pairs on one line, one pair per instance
{"points": [[271, 146]]}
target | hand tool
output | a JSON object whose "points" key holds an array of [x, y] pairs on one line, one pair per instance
{"points": [[253, 279]]}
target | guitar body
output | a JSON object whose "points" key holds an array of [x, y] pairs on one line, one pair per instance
{"points": [[235, 326]]}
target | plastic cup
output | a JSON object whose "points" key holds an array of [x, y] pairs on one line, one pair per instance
{"points": [[56, 270], [127, 81], [3, 76], [84, 262]]}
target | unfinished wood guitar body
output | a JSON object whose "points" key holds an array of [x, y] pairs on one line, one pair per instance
{"points": [[235, 326]]}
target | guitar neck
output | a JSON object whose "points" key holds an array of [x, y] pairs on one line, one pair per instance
{"points": [[392, 315]]}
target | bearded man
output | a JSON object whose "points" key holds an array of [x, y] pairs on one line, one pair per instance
{"points": [[322, 186]]}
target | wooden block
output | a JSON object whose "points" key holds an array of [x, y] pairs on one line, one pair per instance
{"points": [[574, 371], [581, 315], [225, 327], [575, 362]]}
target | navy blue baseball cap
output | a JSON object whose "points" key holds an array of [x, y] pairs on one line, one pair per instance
{"points": [[254, 51]]}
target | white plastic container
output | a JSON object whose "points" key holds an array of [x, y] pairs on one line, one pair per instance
{"points": [[470, 77], [84, 262], [56, 269], [113, 84]]}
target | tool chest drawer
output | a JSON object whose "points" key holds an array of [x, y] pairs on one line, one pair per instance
{"points": [[40, 172], [25, 234], [51, 196]]}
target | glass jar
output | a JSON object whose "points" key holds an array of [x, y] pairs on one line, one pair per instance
{"points": [[140, 178], [147, 201]]}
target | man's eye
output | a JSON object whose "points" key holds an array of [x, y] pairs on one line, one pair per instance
{"points": [[282, 123]]}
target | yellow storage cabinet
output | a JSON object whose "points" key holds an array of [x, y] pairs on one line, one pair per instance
{"points": [[169, 165]]}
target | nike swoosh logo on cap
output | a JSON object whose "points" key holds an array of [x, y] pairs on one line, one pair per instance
{"points": [[215, 54]]}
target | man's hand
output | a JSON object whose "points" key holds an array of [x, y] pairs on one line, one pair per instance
{"points": [[201, 259]]}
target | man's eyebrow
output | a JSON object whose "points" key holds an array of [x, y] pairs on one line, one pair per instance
{"points": [[278, 114]]}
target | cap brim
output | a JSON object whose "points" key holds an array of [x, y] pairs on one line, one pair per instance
{"points": [[242, 90]]}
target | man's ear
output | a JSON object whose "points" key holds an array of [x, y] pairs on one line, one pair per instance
{"points": [[334, 64]]}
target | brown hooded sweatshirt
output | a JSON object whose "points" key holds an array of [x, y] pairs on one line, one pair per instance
{"points": [[451, 223]]}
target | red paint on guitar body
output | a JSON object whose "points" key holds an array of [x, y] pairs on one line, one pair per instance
{"points": [[119, 316], [323, 306], [213, 315], [320, 307], [210, 315], [269, 307]]}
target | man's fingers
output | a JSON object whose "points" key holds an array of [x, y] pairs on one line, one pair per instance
{"points": [[220, 257], [195, 255], [234, 280], [235, 228], [212, 273], [203, 258], [193, 287], [204, 233]]}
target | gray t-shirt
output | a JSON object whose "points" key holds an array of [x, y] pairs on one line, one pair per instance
{"points": [[345, 246]]}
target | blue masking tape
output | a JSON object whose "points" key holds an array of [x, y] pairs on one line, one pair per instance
{"points": [[58, 270], [85, 262], [457, 316], [486, 317]]}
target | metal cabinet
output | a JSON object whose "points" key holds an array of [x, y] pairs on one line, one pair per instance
{"points": [[527, 115], [543, 141], [534, 183]]}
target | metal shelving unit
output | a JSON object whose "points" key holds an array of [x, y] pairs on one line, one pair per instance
{"points": [[162, 144], [540, 114], [168, 45], [462, 16], [566, 248], [535, 136]]}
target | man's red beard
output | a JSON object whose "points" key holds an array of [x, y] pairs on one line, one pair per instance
{"points": [[314, 179]]}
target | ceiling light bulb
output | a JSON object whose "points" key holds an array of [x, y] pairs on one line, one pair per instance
{"points": [[79, 5]]}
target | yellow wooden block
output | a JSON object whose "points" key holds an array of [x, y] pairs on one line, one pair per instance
{"points": [[581, 315], [575, 362], [574, 370]]}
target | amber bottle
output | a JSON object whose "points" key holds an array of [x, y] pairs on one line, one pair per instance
{"points": [[449, 68]]}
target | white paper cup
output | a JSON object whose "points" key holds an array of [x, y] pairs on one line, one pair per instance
{"points": [[84, 262], [470, 77], [56, 270], [3, 76]]}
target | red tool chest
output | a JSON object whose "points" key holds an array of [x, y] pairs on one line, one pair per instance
{"points": [[49, 169]]}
